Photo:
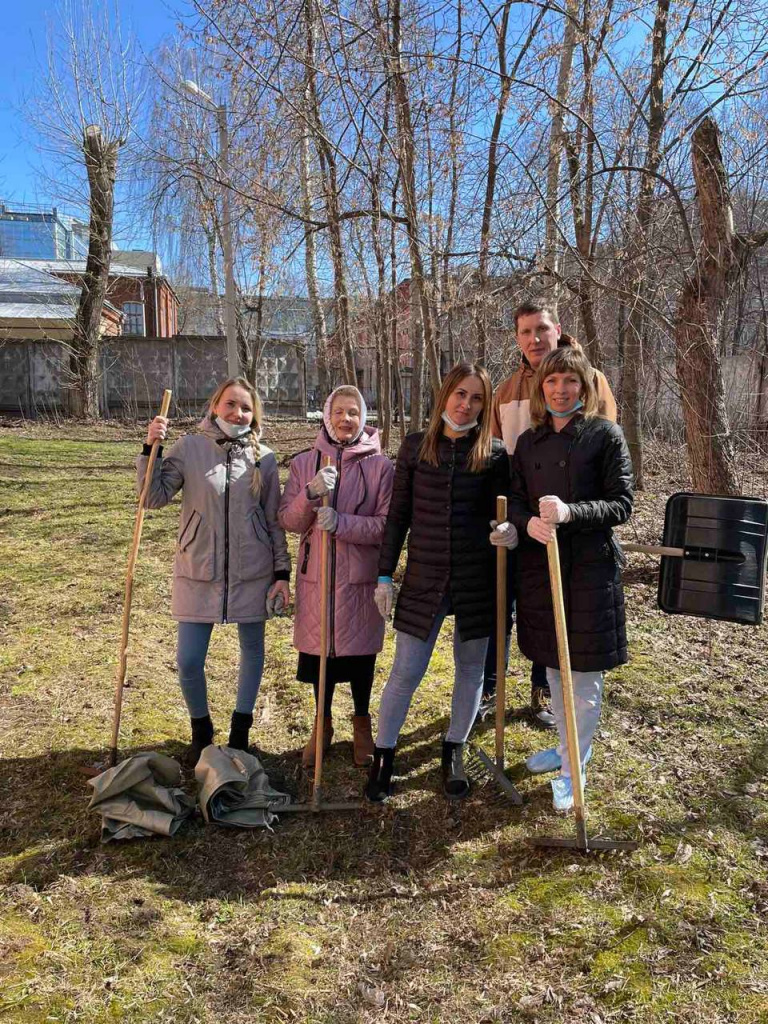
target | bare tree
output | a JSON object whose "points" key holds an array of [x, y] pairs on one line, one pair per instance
{"points": [[86, 108], [722, 257]]}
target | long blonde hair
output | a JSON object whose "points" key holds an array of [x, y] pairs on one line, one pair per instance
{"points": [[256, 422], [563, 360], [481, 449]]}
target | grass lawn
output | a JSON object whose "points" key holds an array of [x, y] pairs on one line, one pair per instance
{"points": [[424, 911]]}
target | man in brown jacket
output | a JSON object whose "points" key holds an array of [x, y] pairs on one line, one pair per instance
{"points": [[538, 334]]}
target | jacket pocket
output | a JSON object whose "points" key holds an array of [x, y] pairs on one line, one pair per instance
{"points": [[195, 550], [255, 549], [363, 563], [618, 554], [259, 523]]}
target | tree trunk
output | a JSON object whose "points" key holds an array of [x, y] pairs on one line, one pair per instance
{"points": [[310, 248], [210, 238], [331, 193], [446, 288], [481, 307], [703, 298], [101, 166], [552, 243], [422, 319], [394, 347], [633, 353]]}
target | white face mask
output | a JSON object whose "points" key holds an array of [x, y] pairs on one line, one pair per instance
{"points": [[233, 430], [460, 428]]}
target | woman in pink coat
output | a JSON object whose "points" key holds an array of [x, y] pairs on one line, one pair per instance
{"points": [[359, 485]]}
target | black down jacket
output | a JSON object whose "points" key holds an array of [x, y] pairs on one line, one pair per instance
{"points": [[587, 465], [447, 509]]}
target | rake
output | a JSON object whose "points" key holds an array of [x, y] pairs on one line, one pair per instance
{"points": [[138, 526], [583, 841], [496, 768], [317, 804]]}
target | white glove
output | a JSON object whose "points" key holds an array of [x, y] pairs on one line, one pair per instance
{"points": [[327, 518], [552, 510], [278, 596], [504, 535], [384, 596], [540, 531], [322, 482]]}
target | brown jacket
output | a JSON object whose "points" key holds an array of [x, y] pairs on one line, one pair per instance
{"points": [[511, 402]]}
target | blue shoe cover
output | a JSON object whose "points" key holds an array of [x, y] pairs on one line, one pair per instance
{"points": [[549, 761], [544, 761], [562, 791]]}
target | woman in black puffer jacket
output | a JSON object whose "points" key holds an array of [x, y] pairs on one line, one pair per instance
{"points": [[571, 471], [446, 482]]}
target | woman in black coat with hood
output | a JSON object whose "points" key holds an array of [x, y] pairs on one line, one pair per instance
{"points": [[571, 472]]}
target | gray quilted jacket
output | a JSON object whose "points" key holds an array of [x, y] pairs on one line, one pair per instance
{"points": [[230, 545]]}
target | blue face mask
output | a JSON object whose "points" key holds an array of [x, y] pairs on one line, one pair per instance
{"points": [[570, 412]]}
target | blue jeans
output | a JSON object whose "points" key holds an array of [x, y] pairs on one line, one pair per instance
{"points": [[587, 700], [191, 651], [411, 661]]}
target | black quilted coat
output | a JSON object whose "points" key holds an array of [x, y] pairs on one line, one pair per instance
{"points": [[587, 465], [447, 509]]}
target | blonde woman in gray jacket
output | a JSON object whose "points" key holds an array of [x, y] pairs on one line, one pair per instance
{"points": [[232, 562]]}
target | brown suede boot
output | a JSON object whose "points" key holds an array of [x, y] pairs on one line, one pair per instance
{"points": [[308, 756], [362, 740]]}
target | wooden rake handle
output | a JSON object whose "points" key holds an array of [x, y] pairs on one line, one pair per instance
{"points": [[317, 788], [571, 730], [138, 526], [501, 634]]}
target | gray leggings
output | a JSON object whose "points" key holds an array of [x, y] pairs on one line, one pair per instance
{"points": [[191, 652], [411, 661]]}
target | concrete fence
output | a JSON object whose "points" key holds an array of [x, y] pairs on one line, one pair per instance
{"points": [[34, 375]]}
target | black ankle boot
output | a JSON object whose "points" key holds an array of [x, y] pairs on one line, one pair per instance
{"points": [[238, 730], [202, 736], [455, 781], [379, 785]]}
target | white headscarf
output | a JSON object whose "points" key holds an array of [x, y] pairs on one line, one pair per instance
{"points": [[327, 415]]}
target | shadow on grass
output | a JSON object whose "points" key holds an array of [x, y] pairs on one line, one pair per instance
{"points": [[46, 831]]}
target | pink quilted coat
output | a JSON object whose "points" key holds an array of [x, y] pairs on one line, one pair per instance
{"points": [[361, 497]]}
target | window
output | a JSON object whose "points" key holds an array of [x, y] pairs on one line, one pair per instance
{"points": [[134, 318]]}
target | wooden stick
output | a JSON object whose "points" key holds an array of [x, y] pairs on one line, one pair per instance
{"points": [[564, 657], [501, 634], [655, 549], [321, 682], [123, 662]]}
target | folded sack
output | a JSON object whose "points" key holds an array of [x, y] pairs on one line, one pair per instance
{"points": [[234, 789], [140, 797]]}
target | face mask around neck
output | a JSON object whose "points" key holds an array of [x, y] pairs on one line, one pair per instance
{"points": [[460, 428], [570, 412], [232, 430]]}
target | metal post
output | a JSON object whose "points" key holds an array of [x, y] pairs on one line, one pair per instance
{"points": [[230, 312]]}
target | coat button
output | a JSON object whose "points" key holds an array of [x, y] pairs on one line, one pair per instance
{"points": [[561, 463]]}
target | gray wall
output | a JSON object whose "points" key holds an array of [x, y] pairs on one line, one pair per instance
{"points": [[135, 371]]}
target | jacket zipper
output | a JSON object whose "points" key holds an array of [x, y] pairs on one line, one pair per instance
{"points": [[226, 535], [450, 509], [334, 502]]}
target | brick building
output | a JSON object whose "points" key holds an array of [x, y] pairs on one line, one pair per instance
{"points": [[137, 288]]}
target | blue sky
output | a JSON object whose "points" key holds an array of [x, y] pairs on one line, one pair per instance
{"points": [[24, 49]]}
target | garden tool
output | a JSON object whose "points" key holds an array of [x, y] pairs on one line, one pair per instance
{"points": [[582, 842], [496, 768], [713, 559], [123, 662], [317, 804]]}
